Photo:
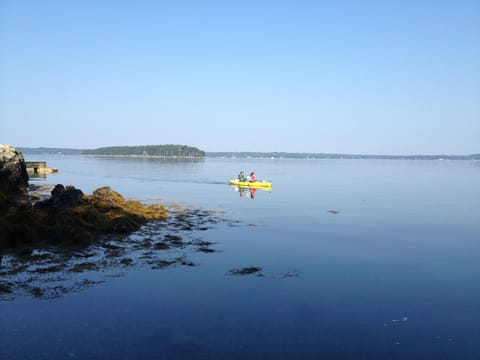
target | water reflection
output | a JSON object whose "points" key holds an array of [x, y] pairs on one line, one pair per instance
{"points": [[36, 174], [151, 159], [145, 160], [249, 192], [53, 272]]}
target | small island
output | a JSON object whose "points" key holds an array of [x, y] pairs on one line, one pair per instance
{"points": [[163, 151]]}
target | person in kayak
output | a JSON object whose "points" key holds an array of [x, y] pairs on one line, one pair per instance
{"points": [[252, 177], [241, 176]]}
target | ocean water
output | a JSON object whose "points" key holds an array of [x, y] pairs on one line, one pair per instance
{"points": [[360, 259]]}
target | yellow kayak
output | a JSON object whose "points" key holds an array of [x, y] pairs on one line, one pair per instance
{"points": [[251, 184]]}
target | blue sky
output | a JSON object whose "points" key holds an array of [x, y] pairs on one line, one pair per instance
{"points": [[372, 77]]}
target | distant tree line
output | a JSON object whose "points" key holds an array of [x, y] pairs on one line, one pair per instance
{"points": [[339, 156], [192, 152], [148, 150], [49, 151]]}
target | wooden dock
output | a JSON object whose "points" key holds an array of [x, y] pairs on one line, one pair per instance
{"points": [[35, 165]]}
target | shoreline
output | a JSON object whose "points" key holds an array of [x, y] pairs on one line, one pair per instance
{"points": [[147, 156], [261, 154]]}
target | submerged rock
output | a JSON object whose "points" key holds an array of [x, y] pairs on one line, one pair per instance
{"points": [[245, 271], [46, 271]]}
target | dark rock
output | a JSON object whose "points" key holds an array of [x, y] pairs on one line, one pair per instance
{"points": [[13, 171], [161, 246], [124, 225], [58, 190], [62, 198], [206, 250], [245, 271], [71, 197]]}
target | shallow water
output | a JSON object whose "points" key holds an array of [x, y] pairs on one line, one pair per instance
{"points": [[361, 259]]}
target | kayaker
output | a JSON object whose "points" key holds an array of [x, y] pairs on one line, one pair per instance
{"points": [[241, 176], [253, 177]]}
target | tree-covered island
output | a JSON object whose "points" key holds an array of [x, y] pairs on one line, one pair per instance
{"points": [[165, 151]]}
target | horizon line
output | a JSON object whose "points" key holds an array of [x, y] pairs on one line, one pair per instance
{"points": [[274, 152]]}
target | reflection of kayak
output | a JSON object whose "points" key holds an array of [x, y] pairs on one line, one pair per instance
{"points": [[250, 189], [254, 184]]}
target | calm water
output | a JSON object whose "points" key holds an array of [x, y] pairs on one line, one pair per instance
{"points": [[394, 274]]}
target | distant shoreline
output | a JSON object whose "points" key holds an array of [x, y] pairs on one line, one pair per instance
{"points": [[341, 156], [147, 156], [261, 155]]}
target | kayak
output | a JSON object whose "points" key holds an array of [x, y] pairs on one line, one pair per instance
{"points": [[251, 184]]}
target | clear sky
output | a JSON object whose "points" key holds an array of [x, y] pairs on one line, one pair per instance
{"points": [[371, 77]]}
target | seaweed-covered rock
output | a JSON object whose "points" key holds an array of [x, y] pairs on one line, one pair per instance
{"points": [[111, 202], [71, 218], [13, 171]]}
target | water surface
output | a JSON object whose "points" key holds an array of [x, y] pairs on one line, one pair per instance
{"points": [[361, 259]]}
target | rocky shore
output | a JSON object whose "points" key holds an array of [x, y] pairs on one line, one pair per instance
{"points": [[65, 241], [68, 216], [60, 240]]}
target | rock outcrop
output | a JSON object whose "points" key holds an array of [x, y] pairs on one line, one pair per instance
{"points": [[13, 172], [71, 218], [68, 217], [62, 198]]}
